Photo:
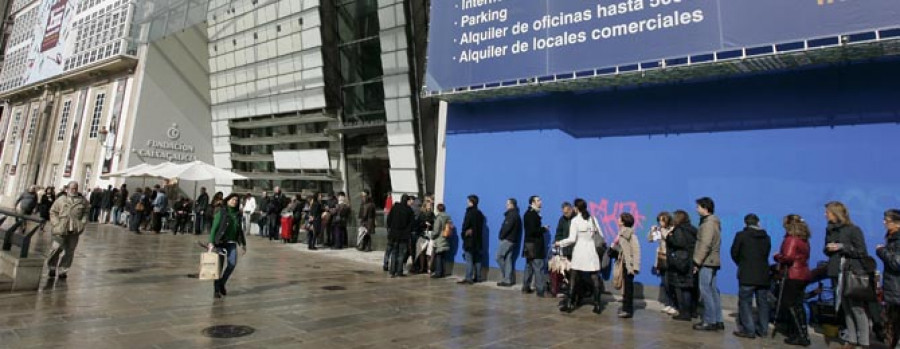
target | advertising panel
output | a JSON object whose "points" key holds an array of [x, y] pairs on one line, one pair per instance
{"points": [[478, 42], [54, 40]]}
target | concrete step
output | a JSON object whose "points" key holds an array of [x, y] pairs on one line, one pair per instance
{"points": [[6, 283]]}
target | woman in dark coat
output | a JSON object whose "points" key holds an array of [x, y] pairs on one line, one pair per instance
{"points": [[315, 222], [680, 249], [844, 240], [45, 202], [794, 255], [889, 253]]}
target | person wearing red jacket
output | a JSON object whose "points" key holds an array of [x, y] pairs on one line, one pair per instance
{"points": [[794, 256]]}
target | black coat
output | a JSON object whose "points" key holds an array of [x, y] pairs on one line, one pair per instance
{"points": [[106, 201], [534, 235], [562, 233], [472, 230], [44, 205], [400, 222], [202, 206], [681, 243], [854, 250], [750, 251], [511, 230], [275, 204], [123, 198], [890, 255]]}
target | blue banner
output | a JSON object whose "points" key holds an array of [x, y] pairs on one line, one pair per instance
{"points": [[477, 42]]}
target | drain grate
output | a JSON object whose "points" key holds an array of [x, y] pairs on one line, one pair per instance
{"points": [[228, 331], [363, 272], [124, 270], [193, 276], [334, 288]]}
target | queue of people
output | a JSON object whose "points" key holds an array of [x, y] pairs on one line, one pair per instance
{"points": [[687, 258]]}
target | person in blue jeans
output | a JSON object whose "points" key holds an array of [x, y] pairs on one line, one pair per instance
{"points": [[535, 249], [225, 236], [707, 262], [510, 234], [472, 228], [750, 251]]}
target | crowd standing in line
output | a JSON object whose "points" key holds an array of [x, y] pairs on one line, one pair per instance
{"points": [[420, 232]]}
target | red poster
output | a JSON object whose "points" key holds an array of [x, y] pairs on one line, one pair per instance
{"points": [[54, 25]]}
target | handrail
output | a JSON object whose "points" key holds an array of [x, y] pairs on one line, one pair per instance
{"points": [[10, 235]]}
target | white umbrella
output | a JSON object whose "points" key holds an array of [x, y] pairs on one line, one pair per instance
{"points": [[198, 171], [125, 172]]}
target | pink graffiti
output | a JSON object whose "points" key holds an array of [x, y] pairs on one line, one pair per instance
{"points": [[609, 218]]}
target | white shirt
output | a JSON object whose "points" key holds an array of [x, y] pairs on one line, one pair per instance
{"points": [[250, 205]]}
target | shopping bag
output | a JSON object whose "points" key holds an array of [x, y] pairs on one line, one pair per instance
{"points": [[210, 266]]}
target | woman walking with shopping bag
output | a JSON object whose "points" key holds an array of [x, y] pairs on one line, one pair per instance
{"points": [[225, 236]]}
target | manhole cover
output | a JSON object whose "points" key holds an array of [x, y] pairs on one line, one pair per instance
{"points": [[124, 270], [228, 331], [334, 288], [193, 276]]}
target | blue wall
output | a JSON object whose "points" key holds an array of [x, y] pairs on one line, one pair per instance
{"points": [[549, 146]]}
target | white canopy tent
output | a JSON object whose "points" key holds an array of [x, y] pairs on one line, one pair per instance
{"points": [[192, 171], [195, 171]]}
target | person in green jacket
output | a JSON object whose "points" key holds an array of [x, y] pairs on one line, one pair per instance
{"points": [[225, 236]]}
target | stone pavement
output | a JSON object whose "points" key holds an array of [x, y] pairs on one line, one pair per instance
{"points": [[140, 291]]}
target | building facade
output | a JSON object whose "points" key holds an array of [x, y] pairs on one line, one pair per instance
{"points": [[311, 96], [84, 98], [318, 96]]}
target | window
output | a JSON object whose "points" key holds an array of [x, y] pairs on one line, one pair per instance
{"points": [[95, 119], [32, 125], [64, 121], [15, 127], [3, 178]]}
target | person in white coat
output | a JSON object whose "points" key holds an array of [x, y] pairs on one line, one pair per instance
{"points": [[585, 261], [248, 209]]}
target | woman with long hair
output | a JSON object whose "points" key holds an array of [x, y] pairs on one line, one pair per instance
{"points": [[658, 234], [226, 234], [315, 222], [794, 256], [845, 246], [680, 249], [585, 261]]}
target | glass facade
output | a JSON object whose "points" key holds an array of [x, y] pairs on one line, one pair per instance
{"points": [[362, 97]]}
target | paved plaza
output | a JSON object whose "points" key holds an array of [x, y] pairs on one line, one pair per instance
{"points": [[141, 291]]}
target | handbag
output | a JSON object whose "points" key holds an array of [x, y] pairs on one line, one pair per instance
{"points": [[662, 262], [619, 275], [139, 207], [448, 229], [599, 241], [858, 285], [210, 266]]}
